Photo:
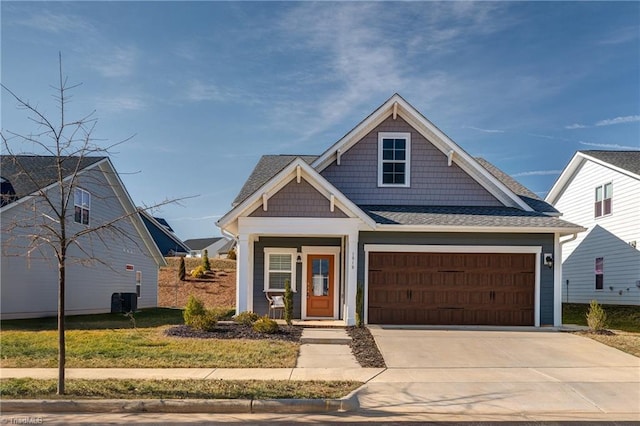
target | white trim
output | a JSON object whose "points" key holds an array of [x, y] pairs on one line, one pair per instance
{"points": [[412, 248], [557, 281], [321, 250], [491, 229], [407, 160], [268, 251]]}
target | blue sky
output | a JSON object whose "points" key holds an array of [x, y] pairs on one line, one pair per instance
{"points": [[208, 87]]}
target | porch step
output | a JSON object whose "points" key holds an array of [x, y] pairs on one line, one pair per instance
{"points": [[325, 336]]}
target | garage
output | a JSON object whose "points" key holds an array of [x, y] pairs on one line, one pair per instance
{"points": [[451, 288]]}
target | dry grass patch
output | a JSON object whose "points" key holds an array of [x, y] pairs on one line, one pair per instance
{"points": [[176, 389], [141, 348], [624, 341]]}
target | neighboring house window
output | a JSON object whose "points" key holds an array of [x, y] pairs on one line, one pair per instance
{"points": [[599, 273], [279, 266], [394, 155], [82, 205], [604, 194]]}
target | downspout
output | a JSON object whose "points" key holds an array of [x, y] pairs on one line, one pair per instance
{"points": [[557, 317]]}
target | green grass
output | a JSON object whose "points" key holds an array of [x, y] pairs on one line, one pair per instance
{"points": [[625, 318], [176, 389], [110, 340]]}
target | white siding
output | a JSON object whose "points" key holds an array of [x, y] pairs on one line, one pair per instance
{"points": [[608, 237], [29, 281]]}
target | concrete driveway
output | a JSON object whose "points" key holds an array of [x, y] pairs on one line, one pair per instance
{"points": [[529, 374]]}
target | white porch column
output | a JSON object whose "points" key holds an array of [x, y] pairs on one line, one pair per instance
{"points": [[243, 274], [351, 278], [557, 281]]}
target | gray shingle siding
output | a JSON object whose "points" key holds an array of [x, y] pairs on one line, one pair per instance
{"points": [[433, 182], [471, 239], [298, 200]]}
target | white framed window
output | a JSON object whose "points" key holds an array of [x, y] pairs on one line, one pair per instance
{"points": [[394, 159], [139, 283], [603, 204], [279, 266], [82, 206], [599, 272]]}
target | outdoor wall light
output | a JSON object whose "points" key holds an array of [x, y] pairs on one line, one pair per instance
{"points": [[299, 258], [548, 260]]}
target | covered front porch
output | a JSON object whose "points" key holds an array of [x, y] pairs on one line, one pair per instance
{"points": [[319, 257]]}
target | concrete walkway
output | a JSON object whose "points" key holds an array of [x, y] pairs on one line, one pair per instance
{"points": [[326, 348]]}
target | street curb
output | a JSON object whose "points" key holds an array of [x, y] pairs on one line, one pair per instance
{"points": [[218, 406]]}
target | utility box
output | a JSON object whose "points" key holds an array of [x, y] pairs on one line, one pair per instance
{"points": [[124, 302]]}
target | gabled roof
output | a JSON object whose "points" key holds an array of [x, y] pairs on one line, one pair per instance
{"points": [[29, 173], [201, 243], [625, 162], [164, 223], [150, 221], [396, 105], [268, 166]]}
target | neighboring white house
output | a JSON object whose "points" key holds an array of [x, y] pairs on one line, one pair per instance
{"points": [[119, 259], [600, 190], [216, 246]]}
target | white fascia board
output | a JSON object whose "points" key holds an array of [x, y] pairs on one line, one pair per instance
{"points": [[610, 166], [565, 177], [298, 226], [284, 177], [434, 135], [131, 210], [49, 187], [482, 229]]}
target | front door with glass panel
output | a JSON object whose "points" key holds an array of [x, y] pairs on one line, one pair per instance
{"points": [[320, 285]]}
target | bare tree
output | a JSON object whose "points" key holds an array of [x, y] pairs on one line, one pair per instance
{"points": [[71, 147]]}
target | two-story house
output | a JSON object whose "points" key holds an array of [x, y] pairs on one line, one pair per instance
{"points": [[397, 209], [117, 256], [600, 190]]}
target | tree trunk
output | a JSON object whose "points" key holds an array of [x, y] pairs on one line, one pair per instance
{"points": [[61, 334]]}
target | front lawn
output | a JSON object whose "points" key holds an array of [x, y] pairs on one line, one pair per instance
{"points": [[110, 340], [175, 389], [624, 318]]}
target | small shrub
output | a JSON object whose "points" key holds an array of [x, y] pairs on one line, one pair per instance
{"points": [[198, 272], [265, 325], [246, 318], [205, 260], [194, 309], [224, 313], [206, 321], [359, 306], [288, 302], [596, 317], [181, 269]]}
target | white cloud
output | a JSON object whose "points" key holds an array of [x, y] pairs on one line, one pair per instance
{"points": [[618, 120], [484, 130], [610, 146], [575, 126], [621, 35], [45, 20], [114, 62], [121, 103], [537, 173]]}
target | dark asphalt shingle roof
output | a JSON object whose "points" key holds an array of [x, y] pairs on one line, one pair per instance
{"points": [[28, 173], [463, 216], [201, 243], [627, 160], [535, 202], [268, 166]]}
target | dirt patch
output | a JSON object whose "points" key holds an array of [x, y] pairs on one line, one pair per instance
{"points": [[364, 348], [236, 331], [624, 341], [217, 289]]}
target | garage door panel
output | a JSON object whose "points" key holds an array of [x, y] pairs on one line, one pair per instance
{"points": [[451, 288]]}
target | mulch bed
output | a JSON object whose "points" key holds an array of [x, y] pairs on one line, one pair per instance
{"points": [[236, 331], [364, 348]]}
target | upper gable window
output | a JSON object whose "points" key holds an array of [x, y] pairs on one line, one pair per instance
{"points": [[394, 155], [604, 194], [82, 205]]}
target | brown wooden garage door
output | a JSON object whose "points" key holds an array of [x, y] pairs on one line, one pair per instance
{"points": [[451, 288]]}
